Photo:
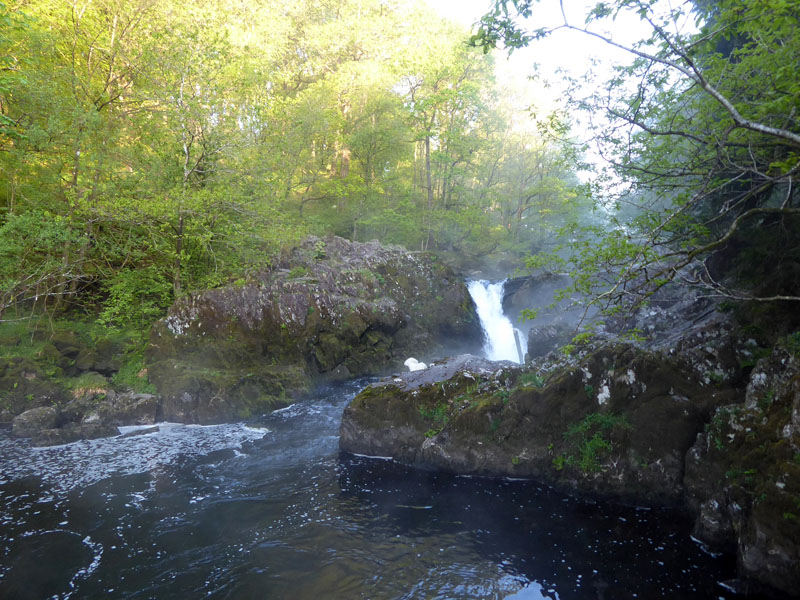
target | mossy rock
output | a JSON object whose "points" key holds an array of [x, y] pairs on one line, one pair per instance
{"points": [[743, 475], [49, 355], [23, 386], [67, 343], [192, 394], [362, 310], [616, 423], [34, 420]]}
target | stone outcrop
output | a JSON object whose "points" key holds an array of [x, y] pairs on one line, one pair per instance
{"points": [[34, 420], [521, 293], [615, 423], [332, 309], [62, 359], [397, 416], [90, 414], [24, 385], [543, 339], [743, 475], [703, 418]]}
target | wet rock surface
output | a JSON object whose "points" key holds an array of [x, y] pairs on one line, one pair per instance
{"points": [[34, 420], [521, 293], [331, 309], [743, 475], [694, 416], [616, 423], [89, 415], [543, 339]]}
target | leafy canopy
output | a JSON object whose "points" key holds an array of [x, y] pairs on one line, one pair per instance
{"points": [[700, 135]]}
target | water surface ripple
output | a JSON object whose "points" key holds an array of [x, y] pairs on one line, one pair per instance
{"points": [[272, 510]]}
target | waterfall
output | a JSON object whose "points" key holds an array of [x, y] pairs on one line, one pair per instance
{"points": [[497, 329]]}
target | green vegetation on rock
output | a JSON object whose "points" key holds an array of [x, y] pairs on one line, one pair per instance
{"points": [[50, 361], [590, 441]]}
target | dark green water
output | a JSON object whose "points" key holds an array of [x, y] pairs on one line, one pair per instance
{"points": [[276, 512]]}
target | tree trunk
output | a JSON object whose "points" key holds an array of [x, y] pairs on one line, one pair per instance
{"points": [[176, 274], [428, 171]]}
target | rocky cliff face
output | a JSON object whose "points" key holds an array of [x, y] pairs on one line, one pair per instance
{"points": [[332, 309], [743, 475], [693, 420]]}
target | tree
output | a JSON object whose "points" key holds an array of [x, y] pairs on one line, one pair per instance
{"points": [[702, 133], [150, 148]]}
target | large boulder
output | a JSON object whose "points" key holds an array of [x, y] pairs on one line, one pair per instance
{"points": [[24, 385], [45, 426], [396, 416], [706, 417], [615, 423], [32, 421], [543, 339], [331, 309], [95, 411], [743, 475], [126, 408], [539, 290]]}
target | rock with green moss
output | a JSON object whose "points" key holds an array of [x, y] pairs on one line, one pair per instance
{"points": [[331, 309], [194, 394], [126, 408], [32, 421], [743, 475], [24, 384], [691, 424], [397, 416], [616, 422]]}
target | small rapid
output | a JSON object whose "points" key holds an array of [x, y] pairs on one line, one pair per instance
{"points": [[272, 509], [501, 337]]}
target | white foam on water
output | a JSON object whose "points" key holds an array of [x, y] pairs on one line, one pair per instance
{"points": [[86, 462]]}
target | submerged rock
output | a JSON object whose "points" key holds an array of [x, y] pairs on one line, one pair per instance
{"points": [[332, 309]]}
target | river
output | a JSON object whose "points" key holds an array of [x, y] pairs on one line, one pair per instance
{"points": [[273, 510]]}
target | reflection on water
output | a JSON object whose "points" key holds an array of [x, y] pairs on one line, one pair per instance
{"points": [[275, 512]]}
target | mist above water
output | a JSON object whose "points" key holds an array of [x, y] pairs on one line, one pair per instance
{"points": [[498, 330]]}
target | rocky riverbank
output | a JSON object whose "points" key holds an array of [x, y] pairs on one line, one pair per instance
{"points": [[330, 310], [701, 417]]}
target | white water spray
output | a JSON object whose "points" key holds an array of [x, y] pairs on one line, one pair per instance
{"points": [[497, 329]]}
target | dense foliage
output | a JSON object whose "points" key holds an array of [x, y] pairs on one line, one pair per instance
{"points": [[701, 134], [152, 147]]}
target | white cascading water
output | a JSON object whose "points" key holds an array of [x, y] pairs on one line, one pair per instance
{"points": [[497, 329]]}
